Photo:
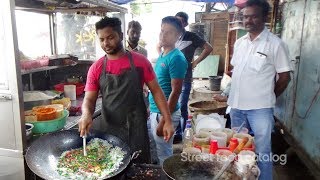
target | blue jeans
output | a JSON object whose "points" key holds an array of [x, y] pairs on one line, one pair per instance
{"points": [[164, 149], [261, 122], [153, 149], [183, 100]]}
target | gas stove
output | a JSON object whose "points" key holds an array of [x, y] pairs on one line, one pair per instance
{"points": [[145, 171], [134, 172]]}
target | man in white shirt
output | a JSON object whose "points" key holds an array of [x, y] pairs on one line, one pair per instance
{"points": [[261, 73], [134, 32]]}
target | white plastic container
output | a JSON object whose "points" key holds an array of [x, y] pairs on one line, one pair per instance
{"points": [[220, 137], [229, 133], [243, 130], [241, 136], [70, 92], [247, 157], [246, 160], [223, 155]]}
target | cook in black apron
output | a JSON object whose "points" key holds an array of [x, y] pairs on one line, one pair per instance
{"points": [[123, 109]]}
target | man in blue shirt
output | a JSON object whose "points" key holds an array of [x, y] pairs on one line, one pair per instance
{"points": [[187, 44], [170, 69]]}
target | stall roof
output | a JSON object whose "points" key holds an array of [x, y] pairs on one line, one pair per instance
{"points": [[98, 5], [64, 5], [208, 1]]}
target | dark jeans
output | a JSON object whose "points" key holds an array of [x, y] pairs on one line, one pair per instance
{"points": [[183, 100]]}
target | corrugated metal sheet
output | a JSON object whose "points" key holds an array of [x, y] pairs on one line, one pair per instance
{"points": [[307, 111], [304, 120], [293, 13]]}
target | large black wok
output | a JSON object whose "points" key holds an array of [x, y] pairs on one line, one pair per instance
{"points": [[198, 167], [43, 154]]}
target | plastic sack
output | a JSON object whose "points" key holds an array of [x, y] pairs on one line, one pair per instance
{"points": [[212, 121]]}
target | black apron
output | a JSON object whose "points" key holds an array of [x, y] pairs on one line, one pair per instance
{"points": [[124, 112]]}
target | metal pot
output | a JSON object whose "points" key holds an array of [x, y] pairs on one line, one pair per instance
{"points": [[29, 104], [29, 128], [208, 107], [74, 79], [199, 166]]}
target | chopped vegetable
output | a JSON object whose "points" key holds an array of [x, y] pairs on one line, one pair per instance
{"points": [[102, 159]]}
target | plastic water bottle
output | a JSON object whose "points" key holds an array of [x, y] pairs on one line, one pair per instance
{"points": [[188, 135]]}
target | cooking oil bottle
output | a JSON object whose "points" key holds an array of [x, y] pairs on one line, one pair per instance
{"points": [[188, 135]]}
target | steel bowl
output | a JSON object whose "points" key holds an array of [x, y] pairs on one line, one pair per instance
{"points": [[29, 128]]}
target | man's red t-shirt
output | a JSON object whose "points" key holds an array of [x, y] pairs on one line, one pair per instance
{"points": [[142, 64]]}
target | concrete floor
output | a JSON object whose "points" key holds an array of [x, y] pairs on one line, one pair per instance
{"points": [[294, 169]]}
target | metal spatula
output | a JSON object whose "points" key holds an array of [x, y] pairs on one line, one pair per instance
{"points": [[233, 157], [241, 126], [84, 141], [225, 166]]}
